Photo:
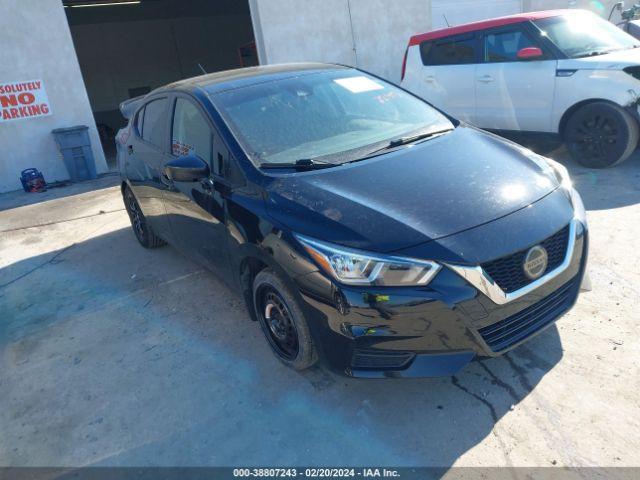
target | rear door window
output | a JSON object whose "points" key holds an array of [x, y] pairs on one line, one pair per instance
{"points": [[456, 50], [504, 46], [155, 122]]}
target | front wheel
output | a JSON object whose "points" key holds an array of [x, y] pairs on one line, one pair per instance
{"points": [[601, 135], [282, 321]]}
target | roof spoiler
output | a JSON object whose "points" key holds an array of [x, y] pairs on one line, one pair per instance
{"points": [[128, 107]]}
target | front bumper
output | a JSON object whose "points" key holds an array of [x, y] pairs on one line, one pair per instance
{"points": [[435, 330]]}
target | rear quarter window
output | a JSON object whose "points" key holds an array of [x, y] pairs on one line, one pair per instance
{"points": [[155, 122], [457, 50], [138, 121]]}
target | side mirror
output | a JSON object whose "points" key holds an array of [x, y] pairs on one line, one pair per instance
{"points": [[190, 168], [529, 53]]}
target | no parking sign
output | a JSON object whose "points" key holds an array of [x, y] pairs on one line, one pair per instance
{"points": [[20, 100]]}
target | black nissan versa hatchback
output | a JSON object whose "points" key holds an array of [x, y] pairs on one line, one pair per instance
{"points": [[363, 226]]}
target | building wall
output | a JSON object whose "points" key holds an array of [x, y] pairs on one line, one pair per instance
{"points": [[37, 45], [292, 31], [381, 31], [601, 7], [448, 12], [370, 34]]}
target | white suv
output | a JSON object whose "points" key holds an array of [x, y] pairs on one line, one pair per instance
{"points": [[561, 72]]}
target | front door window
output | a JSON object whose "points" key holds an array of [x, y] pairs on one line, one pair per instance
{"points": [[191, 132]]}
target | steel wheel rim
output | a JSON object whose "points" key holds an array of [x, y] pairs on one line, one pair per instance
{"points": [[277, 322]]}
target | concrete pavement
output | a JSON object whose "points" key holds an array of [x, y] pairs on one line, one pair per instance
{"points": [[114, 355]]}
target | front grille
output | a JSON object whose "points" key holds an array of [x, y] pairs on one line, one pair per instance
{"points": [[380, 360], [507, 332], [508, 271]]}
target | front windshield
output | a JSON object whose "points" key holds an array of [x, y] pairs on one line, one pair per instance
{"points": [[329, 116], [583, 34]]}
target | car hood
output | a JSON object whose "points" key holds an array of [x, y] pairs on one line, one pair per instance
{"points": [[610, 61], [413, 195]]}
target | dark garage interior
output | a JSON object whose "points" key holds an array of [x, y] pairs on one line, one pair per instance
{"points": [[127, 49]]}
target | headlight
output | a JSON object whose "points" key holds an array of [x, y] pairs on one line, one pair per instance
{"points": [[354, 267]]}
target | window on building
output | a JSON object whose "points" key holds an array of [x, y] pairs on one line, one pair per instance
{"points": [[191, 132], [504, 47], [456, 50], [154, 122]]}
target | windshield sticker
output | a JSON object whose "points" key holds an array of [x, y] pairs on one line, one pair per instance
{"points": [[358, 84], [385, 97]]}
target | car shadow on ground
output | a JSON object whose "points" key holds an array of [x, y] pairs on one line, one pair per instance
{"points": [[116, 355], [603, 189]]}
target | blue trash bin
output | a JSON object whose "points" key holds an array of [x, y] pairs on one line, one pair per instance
{"points": [[75, 146]]}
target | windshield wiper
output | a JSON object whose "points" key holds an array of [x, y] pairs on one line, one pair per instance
{"points": [[595, 53], [396, 142], [311, 164], [301, 164]]}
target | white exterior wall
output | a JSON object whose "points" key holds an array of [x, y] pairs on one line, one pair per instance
{"points": [[465, 11], [37, 45], [462, 11], [601, 7], [370, 34]]}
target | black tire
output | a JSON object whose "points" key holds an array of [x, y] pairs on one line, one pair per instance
{"points": [[141, 228], [601, 135], [282, 321]]}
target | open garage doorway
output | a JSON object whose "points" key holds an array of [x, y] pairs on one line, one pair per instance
{"points": [[128, 48]]}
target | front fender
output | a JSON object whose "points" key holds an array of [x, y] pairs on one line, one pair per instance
{"points": [[583, 86]]}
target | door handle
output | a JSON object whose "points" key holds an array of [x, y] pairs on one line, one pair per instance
{"points": [[485, 79], [429, 79]]}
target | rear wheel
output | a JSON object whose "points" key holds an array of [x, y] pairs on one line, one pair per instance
{"points": [[601, 135], [282, 321], [144, 232]]}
